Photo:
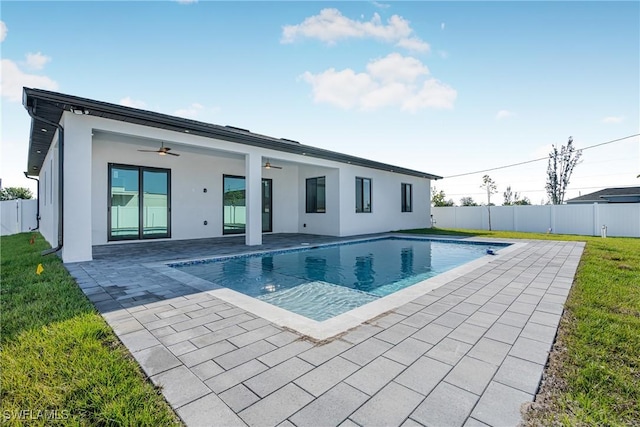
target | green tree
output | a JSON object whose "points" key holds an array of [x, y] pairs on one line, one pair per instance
{"points": [[489, 185], [467, 201], [511, 198], [559, 170], [12, 193], [439, 199], [524, 201]]}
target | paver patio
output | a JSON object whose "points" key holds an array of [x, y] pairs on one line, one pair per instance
{"points": [[469, 353]]}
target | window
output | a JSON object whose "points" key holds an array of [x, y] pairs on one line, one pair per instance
{"points": [[316, 197], [407, 196], [139, 202], [363, 195]]}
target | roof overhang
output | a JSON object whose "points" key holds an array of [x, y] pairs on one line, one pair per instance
{"points": [[51, 105]]}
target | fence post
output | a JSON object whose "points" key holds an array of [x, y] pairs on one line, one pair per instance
{"points": [[596, 219]]}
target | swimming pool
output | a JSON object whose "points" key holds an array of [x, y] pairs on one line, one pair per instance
{"points": [[326, 281]]}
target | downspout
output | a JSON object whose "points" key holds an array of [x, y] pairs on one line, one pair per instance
{"points": [[32, 113], [26, 175]]}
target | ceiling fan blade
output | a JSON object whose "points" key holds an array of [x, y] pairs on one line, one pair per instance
{"points": [[149, 151], [171, 154], [276, 167]]}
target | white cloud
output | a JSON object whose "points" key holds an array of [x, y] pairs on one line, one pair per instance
{"points": [[442, 25], [3, 31], [392, 81], [13, 79], [190, 112], [130, 102], [330, 26], [504, 114], [381, 5], [613, 119], [36, 61]]}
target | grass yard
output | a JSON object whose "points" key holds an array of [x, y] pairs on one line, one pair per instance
{"points": [[593, 374], [59, 358]]}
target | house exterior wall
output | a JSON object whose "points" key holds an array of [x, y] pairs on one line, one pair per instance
{"points": [[92, 143], [386, 199], [48, 199]]}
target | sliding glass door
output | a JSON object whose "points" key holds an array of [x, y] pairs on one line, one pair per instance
{"points": [[139, 202], [235, 207]]}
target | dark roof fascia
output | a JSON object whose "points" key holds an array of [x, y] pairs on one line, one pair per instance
{"points": [[193, 127]]}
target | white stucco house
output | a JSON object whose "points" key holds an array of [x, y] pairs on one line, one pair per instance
{"points": [[110, 174]]}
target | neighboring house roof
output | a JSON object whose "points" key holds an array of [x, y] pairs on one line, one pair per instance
{"points": [[610, 195], [51, 105]]}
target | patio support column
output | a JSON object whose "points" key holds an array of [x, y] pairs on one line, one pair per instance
{"points": [[253, 197], [77, 189]]}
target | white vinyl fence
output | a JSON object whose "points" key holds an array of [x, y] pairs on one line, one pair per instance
{"points": [[620, 219], [18, 216]]}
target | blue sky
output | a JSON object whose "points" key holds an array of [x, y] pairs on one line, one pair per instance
{"points": [[442, 87]]}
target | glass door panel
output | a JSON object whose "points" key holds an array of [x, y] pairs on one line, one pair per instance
{"points": [[234, 205], [267, 205], [125, 203], [155, 203]]}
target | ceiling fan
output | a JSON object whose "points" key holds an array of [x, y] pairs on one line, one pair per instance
{"points": [[268, 165], [162, 151]]}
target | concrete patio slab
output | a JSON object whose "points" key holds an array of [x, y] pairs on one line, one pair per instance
{"points": [[468, 352]]}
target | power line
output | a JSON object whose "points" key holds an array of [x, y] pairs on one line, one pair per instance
{"points": [[540, 159]]}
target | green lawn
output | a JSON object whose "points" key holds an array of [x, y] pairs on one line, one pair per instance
{"points": [[59, 359], [593, 375]]}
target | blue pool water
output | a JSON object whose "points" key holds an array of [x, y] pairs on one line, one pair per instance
{"points": [[326, 281]]}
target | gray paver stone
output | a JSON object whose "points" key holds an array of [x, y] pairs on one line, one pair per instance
{"points": [[156, 359], [408, 351], [396, 333], [366, 351], [423, 375], [286, 352], [500, 405], [389, 407], [432, 333], [180, 386], [276, 407], [520, 374], [530, 350], [326, 375], [447, 405], [206, 370], [449, 351], [278, 376], [209, 410], [206, 353], [471, 374], [490, 351], [244, 354], [503, 333], [321, 353], [232, 377], [331, 408], [375, 375], [138, 340], [239, 397]]}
